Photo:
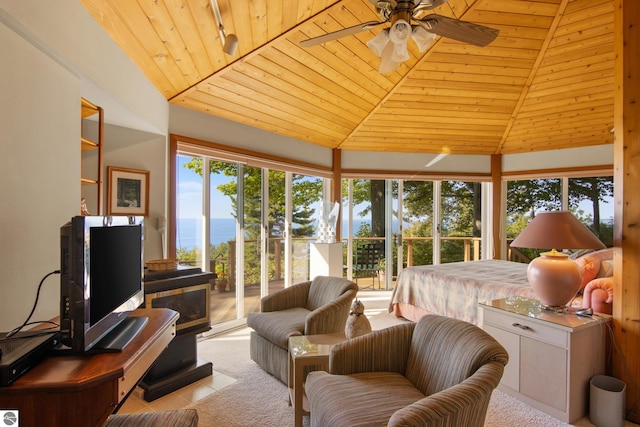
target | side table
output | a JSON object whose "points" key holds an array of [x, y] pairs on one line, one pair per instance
{"points": [[552, 356], [307, 350]]}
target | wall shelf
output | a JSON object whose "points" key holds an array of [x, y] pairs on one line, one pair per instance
{"points": [[89, 109]]}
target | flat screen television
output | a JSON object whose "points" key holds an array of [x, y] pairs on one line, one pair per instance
{"points": [[101, 282]]}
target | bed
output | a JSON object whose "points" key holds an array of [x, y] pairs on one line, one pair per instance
{"points": [[455, 289]]}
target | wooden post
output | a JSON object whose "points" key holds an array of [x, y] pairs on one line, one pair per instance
{"points": [[336, 190], [496, 181], [626, 299]]}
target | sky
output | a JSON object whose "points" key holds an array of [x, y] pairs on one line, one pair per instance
{"points": [[190, 194]]}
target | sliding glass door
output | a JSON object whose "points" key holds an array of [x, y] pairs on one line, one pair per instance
{"points": [[417, 208], [460, 223], [249, 225]]}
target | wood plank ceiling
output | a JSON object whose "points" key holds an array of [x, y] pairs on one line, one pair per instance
{"points": [[545, 83]]}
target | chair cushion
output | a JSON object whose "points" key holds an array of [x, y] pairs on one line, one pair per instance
{"points": [[278, 326], [358, 399]]}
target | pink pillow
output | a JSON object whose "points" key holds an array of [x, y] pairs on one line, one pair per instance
{"points": [[600, 255], [589, 267], [603, 255]]}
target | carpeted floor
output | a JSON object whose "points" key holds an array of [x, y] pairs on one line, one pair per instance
{"points": [[258, 399]]}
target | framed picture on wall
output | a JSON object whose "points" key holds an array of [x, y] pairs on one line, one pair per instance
{"points": [[128, 191]]}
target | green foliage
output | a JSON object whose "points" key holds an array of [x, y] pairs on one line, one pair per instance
{"points": [[188, 256], [305, 192], [529, 196], [364, 231]]}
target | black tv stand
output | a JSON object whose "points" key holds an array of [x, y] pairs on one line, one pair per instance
{"points": [[115, 341], [121, 335]]}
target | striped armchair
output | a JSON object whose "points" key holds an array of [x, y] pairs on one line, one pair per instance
{"points": [[320, 306], [436, 372]]}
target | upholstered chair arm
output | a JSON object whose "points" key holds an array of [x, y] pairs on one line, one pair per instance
{"points": [[598, 295], [384, 350], [331, 317], [293, 296], [463, 404], [604, 284]]}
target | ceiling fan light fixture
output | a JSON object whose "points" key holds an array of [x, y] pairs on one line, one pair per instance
{"points": [[400, 52], [387, 63], [399, 35], [377, 44], [422, 38], [400, 32]]}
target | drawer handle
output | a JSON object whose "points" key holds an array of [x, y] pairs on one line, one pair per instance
{"points": [[518, 325]]}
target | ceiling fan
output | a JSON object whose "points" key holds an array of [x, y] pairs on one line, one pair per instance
{"points": [[391, 43]]}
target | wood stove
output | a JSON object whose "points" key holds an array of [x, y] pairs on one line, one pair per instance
{"points": [[187, 291]]}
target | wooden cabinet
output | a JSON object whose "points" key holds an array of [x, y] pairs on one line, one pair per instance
{"points": [[552, 356], [91, 177], [83, 390]]}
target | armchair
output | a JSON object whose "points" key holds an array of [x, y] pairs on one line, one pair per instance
{"points": [[320, 306], [597, 279], [170, 418], [439, 371]]}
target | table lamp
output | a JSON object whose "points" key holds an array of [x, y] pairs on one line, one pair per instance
{"points": [[554, 277]]}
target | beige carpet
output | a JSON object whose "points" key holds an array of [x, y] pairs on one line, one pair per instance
{"points": [[258, 399]]}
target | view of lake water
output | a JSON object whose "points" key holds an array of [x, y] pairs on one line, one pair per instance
{"points": [[222, 230]]}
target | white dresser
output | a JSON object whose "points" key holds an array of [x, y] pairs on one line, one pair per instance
{"points": [[552, 356]]}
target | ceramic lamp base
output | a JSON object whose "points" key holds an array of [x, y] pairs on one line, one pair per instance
{"points": [[555, 279]]}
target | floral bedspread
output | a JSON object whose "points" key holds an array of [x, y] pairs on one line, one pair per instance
{"points": [[455, 289]]}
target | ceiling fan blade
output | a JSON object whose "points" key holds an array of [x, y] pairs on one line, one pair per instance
{"points": [[428, 5], [391, 2], [463, 31], [340, 33], [423, 4]]}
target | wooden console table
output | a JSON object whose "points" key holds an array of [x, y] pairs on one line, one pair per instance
{"points": [[83, 390]]}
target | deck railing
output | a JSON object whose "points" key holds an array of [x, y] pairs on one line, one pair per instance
{"points": [[470, 252]]}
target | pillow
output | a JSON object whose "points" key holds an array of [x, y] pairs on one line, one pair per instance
{"points": [[601, 256], [606, 269], [580, 252], [589, 268]]}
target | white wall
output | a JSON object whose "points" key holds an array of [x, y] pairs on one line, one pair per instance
{"points": [[39, 174], [54, 53], [66, 31], [556, 159], [194, 124], [127, 148]]}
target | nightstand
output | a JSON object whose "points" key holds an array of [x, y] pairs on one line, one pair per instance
{"points": [[552, 356]]}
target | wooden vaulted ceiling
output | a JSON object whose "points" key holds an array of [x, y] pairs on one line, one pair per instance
{"points": [[546, 82]]}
